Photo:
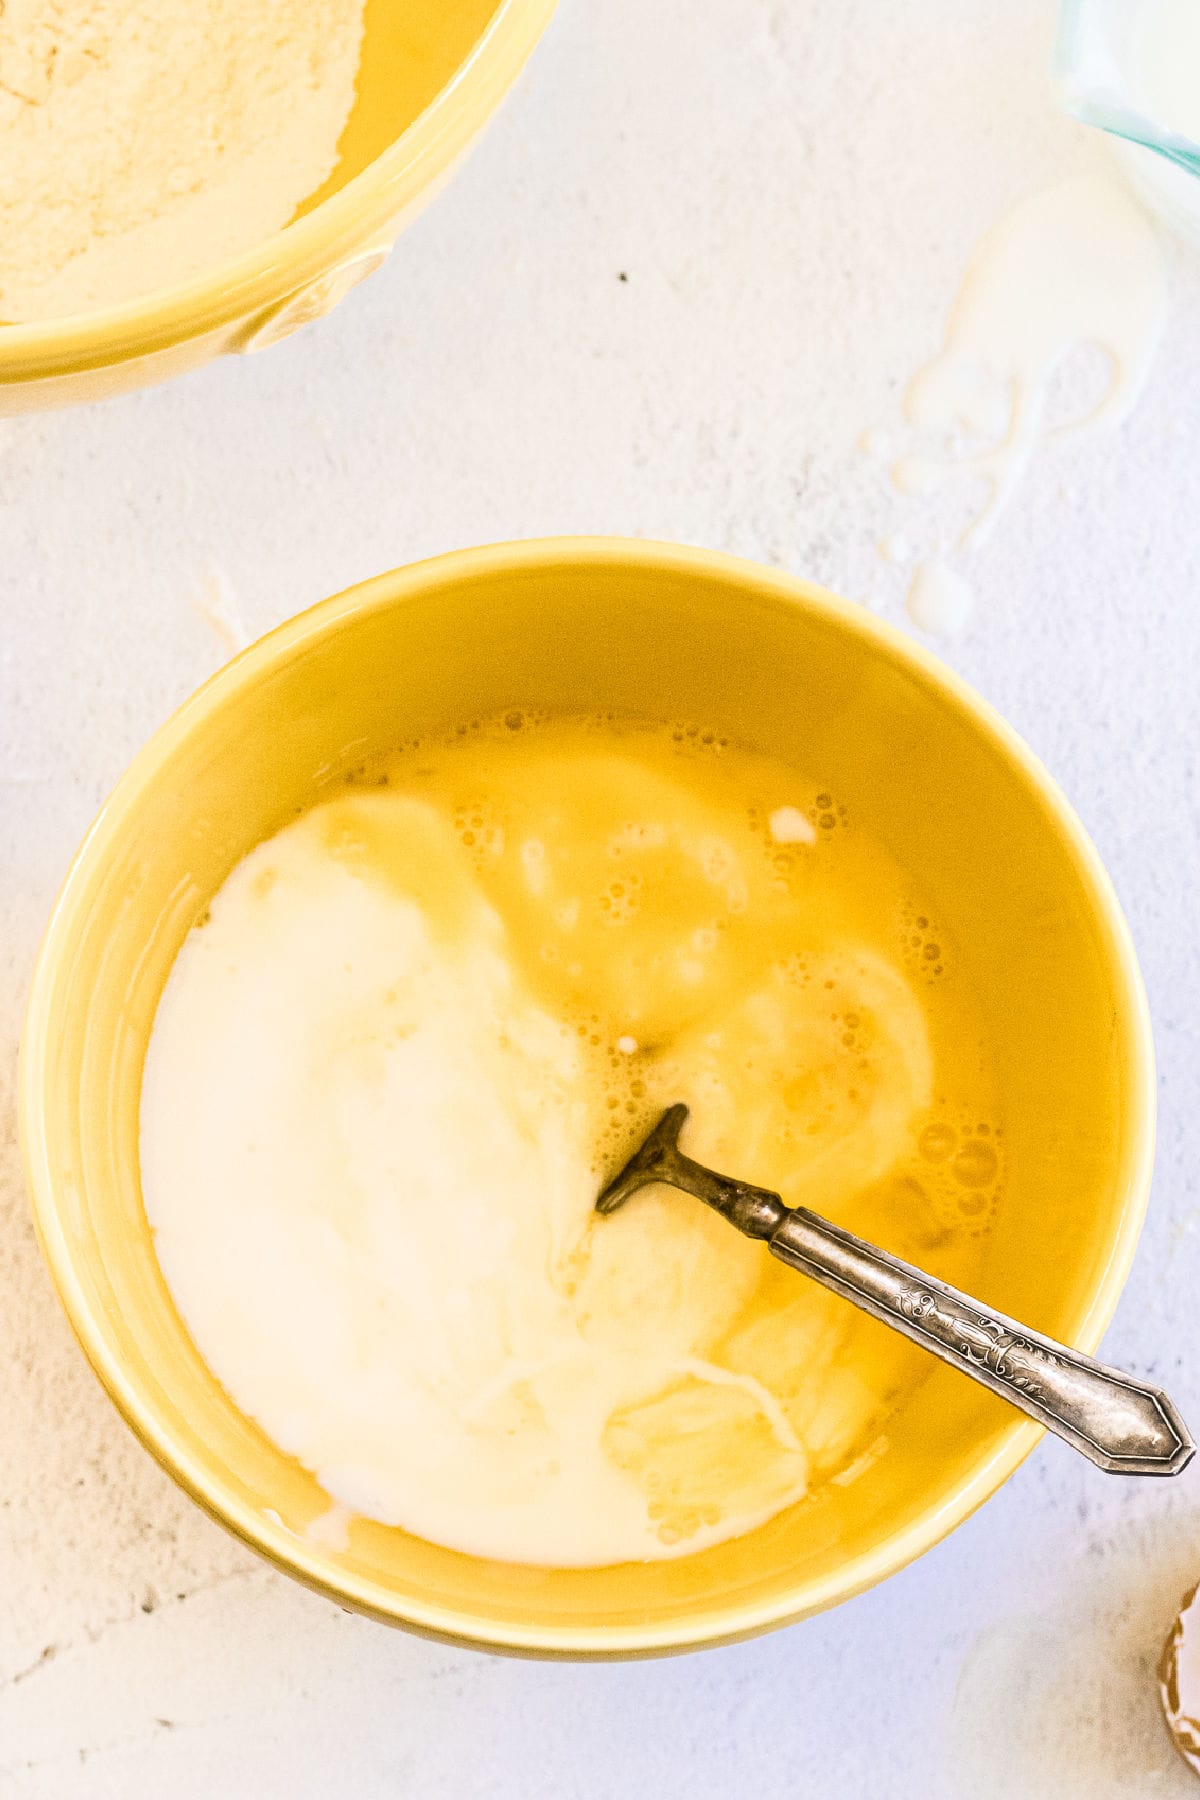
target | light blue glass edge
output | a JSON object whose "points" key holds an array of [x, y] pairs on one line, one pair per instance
{"points": [[1108, 110]]}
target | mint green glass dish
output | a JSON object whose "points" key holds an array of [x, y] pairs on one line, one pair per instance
{"points": [[1098, 65], [1132, 68]]}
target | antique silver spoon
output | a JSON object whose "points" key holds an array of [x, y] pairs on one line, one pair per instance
{"points": [[1122, 1425]]}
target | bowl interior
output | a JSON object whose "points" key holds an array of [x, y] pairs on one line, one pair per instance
{"points": [[460, 54], [660, 633], [410, 52]]}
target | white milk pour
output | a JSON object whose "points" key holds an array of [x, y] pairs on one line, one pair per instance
{"points": [[1076, 265]]}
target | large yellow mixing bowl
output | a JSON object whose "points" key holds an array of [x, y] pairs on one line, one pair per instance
{"points": [[431, 74], [578, 625]]}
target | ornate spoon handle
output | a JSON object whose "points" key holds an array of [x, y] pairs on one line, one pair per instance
{"points": [[1122, 1425]]}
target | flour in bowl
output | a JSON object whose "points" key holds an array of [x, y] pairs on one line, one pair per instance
{"points": [[146, 141]]}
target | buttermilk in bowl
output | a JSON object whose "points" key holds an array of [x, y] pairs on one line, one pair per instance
{"points": [[417, 1030]]}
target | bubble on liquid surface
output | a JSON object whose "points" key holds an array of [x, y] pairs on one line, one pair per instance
{"points": [[788, 825], [937, 1141], [976, 1164]]}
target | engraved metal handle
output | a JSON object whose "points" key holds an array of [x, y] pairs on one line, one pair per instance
{"points": [[1120, 1424]]}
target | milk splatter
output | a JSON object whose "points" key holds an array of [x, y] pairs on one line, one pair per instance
{"points": [[939, 600], [1073, 267]]}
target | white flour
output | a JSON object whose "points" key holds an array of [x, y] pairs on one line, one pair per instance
{"points": [[142, 141]]}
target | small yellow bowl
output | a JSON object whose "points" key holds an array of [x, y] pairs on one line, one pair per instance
{"points": [[431, 74], [577, 625]]}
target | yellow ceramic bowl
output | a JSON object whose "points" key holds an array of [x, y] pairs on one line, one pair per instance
{"points": [[431, 74], [576, 625]]}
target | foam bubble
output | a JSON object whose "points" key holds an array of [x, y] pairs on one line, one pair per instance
{"points": [[788, 825], [937, 1141], [976, 1164]]}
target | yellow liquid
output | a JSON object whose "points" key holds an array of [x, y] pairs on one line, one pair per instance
{"points": [[420, 1029], [800, 996]]}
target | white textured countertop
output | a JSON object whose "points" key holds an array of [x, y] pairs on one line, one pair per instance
{"points": [[700, 250]]}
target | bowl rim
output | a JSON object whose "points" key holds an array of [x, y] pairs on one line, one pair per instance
{"points": [[756, 584], [274, 269]]}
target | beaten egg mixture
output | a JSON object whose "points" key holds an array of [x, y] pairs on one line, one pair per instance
{"points": [[420, 1027]]}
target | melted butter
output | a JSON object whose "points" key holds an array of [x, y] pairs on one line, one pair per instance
{"points": [[420, 1027]]}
